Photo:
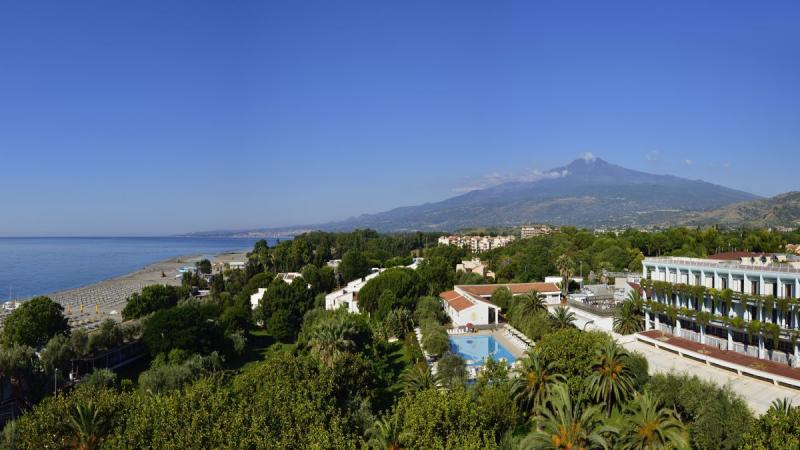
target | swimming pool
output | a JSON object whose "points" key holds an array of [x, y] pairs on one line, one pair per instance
{"points": [[475, 349]]}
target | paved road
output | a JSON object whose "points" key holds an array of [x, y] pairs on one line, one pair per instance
{"points": [[758, 394]]}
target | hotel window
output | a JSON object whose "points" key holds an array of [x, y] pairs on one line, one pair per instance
{"points": [[787, 291], [754, 288], [724, 283]]}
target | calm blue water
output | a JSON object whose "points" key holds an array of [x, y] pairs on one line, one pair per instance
{"points": [[33, 266], [475, 349]]}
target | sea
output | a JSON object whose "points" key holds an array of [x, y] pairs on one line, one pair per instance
{"points": [[41, 265]]}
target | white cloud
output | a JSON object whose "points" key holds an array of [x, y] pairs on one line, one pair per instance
{"points": [[588, 156], [654, 155], [688, 162], [726, 165], [495, 178]]}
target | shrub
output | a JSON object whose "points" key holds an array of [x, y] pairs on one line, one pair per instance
{"points": [[429, 308], [709, 410], [435, 340], [572, 353], [452, 370]]}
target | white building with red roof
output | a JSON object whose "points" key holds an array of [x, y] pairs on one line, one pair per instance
{"points": [[471, 304]]}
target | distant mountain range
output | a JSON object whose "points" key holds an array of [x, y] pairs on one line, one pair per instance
{"points": [[779, 211], [589, 192]]}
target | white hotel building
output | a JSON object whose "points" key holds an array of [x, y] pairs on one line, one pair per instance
{"points": [[472, 304], [769, 285]]}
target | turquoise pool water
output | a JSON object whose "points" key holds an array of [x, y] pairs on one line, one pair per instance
{"points": [[475, 349]]}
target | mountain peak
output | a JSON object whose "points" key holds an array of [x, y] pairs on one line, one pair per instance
{"points": [[587, 192], [589, 163], [587, 159]]}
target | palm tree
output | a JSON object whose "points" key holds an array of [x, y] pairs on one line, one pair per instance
{"points": [[783, 405], [533, 383], [611, 381], [562, 424], [566, 268], [418, 378], [627, 318], [386, 434], [649, 426], [88, 426], [330, 339], [562, 317], [635, 296], [529, 304]]}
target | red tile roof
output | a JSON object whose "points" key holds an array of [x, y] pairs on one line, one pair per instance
{"points": [[458, 302], [480, 290], [727, 355], [731, 256]]}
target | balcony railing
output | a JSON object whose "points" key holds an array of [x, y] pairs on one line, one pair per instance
{"points": [[722, 265]]}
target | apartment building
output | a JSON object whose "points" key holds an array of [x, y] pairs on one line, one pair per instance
{"points": [[476, 244], [528, 231]]}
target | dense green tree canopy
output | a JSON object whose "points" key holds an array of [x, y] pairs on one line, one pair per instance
{"points": [[34, 323], [533, 259], [190, 327], [436, 274], [354, 265], [151, 299], [405, 284], [282, 307]]}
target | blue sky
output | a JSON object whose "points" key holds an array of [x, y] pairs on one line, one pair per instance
{"points": [[155, 117]]}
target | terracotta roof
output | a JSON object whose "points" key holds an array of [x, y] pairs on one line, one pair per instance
{"points": [[458, 302], [727, 355], [731, 256], [481, 290]]}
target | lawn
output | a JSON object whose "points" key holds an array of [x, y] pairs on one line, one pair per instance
{"points": [[398, 359]]}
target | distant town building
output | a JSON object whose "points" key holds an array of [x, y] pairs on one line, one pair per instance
{"points": [[535, 230], [475, 266], [234, 265], [476, 244]]}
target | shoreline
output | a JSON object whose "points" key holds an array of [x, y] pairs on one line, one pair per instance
{"points": [[106, 298]]}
